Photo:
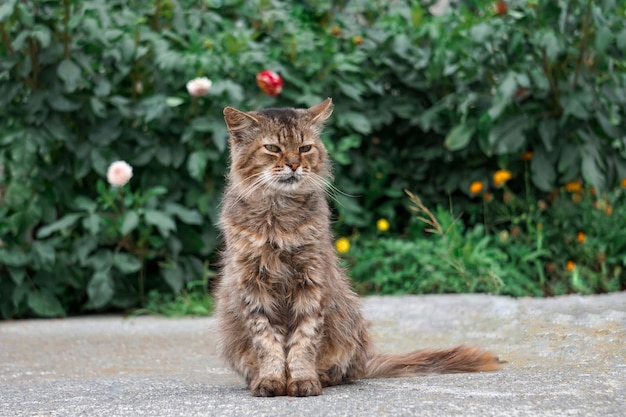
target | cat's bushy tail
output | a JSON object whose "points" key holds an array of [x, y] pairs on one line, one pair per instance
{"points": [[455, 360]]}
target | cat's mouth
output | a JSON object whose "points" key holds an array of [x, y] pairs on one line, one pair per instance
{"points": [[289, 180]]}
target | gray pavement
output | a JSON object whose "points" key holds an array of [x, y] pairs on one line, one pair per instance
{"points": [[566, 357]]}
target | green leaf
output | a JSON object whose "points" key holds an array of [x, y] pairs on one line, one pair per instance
{"points": [[14, 257], [459, 137], [174, 101], [196, 164], [500, 102], [70, 73], [358, 122], [542, 171], [186, 215], [591, 169], [161, 221], [508, 136], [480, 32], [17, 274], [569, 159], [547, 132], [92, 223], [232, 89], [164, 156], [508, 85], [202, 124], [174, 277], [45, 252], [6, 10], [154, 107], [42, 34], [604, 36], [621, 40], [354, 91], [63, 223], [220, 137], [100, 289], [99, 162], [577, 105], [131, 220], [102, 87], [551, 44], [61, 103], [44, 303], [83, 247], [85, 203], [126, 263], [106, 132]]}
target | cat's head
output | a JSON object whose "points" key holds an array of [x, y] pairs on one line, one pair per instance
{"points": [[279, 149]]}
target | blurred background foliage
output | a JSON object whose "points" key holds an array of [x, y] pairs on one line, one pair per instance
{"points": [[434, 104]]}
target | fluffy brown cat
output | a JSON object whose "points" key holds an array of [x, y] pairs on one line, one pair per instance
{"points": [[288, 320]]}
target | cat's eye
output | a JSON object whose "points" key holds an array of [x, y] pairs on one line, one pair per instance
{"points": [[305, 148], [272, 148]]}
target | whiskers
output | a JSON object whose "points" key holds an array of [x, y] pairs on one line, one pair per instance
{"points": [[252, 184], [268, 182], [327, 186]]}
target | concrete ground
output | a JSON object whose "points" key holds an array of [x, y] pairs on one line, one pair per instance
{"points": [[566, 357]]}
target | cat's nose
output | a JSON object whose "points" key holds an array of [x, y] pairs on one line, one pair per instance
{"points": [[293, 165]]}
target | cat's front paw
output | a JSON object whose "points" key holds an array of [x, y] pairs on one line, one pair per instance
{"points": [[268, 387], [304, 387]]}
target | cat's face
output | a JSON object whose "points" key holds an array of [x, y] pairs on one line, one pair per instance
{"points": [[279, 149]]}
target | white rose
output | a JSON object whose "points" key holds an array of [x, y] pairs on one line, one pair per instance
{"points": [[119, 173], [199, 86]]}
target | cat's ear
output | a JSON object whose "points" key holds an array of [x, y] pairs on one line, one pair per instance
{"points": [[237, 120], [321, 112]]}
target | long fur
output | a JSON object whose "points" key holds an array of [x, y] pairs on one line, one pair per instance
{"points": [[288, 319]]}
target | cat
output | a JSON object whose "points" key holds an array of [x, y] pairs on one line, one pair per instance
{"points": [[288, 319]]}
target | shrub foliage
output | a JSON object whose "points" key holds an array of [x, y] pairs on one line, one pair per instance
{"points": [[428, 103]]}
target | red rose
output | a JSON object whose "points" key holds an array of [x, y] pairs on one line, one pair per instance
{"points": [[269, 82], [501, 8]]}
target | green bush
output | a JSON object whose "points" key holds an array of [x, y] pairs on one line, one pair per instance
{"points": [[453, 259], [573, 242], [428, 103]]}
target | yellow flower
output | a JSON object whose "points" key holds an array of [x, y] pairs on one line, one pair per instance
{"points": [[357, 40], [574, 187], [623, 182], [476, 187], [571, 265], [342, 245], [382, 225], [581, 237], [501, 176]]}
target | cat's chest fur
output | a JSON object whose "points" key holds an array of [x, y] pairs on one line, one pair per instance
{"points": [[278, 224]]}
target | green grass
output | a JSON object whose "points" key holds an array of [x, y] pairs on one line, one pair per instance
{"points": [[195, 300]]}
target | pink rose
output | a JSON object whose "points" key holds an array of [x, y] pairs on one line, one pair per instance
{"points": [[199, 86], [119, 173]]}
